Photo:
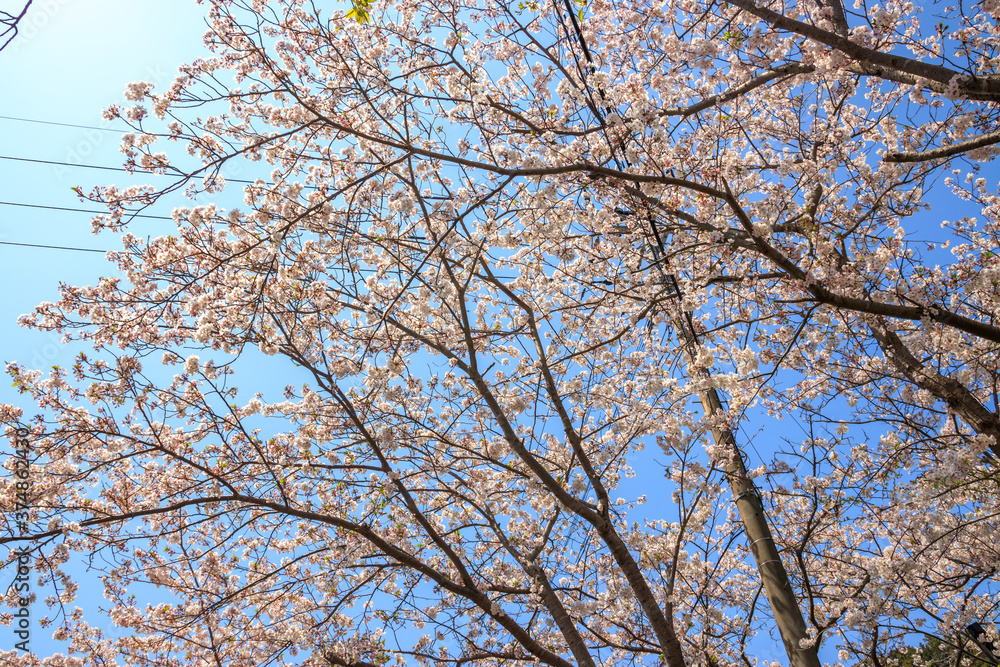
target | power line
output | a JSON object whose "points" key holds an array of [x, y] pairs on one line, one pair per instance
{"points": [[49, 122], [82, 210], [52, 247], [63, 247], [70, 164], [97, 166], [87, 166]]}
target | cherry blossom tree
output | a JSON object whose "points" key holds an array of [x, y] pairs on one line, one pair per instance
{"points": [[500, 249]]}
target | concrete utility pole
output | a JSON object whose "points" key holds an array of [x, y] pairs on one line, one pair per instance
{"points": [[779, 591], [784, 604]]}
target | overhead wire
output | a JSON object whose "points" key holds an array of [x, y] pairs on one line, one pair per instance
{"points": [[66, 164], [83, 210], [84, 166], [92, 127], [52, 247], [76, 249], [102, 167], [49, 122]]}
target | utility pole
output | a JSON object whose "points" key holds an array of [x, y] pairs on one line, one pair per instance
{"points": [[774, 577], [750, 505]]}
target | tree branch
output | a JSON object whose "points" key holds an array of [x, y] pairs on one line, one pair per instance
{"points": [[984, 88], [945, 151]]}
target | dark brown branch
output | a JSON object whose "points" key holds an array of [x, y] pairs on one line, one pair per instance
{"points": [[823, 295], [789, 69], [945, 151], [839, 18], [984, 88], [955, 394]]}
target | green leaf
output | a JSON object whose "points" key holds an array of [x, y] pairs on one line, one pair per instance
{"points": [[359, 10]]}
